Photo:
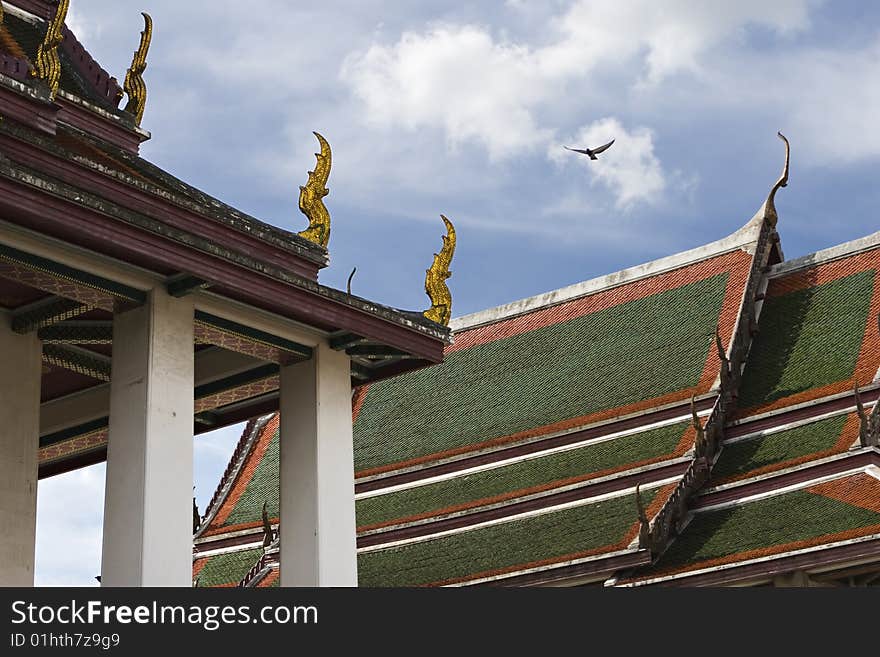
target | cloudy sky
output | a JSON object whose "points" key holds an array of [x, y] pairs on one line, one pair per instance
{"points": [[462, 108]]}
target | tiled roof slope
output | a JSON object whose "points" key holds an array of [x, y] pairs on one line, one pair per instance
{"points": [[621, 350], [542, 419], [515, 545], [818, 334], [776, 449], [796, 422], [830, 512]]}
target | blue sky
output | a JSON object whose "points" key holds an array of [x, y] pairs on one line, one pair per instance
{"points": [[462, 108]]}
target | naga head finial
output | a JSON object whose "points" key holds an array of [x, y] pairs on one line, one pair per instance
{"points": [[769, 204], [134, 84], [697, 425], [311, 197], [47, 65], [644, 523], [435, 279]]}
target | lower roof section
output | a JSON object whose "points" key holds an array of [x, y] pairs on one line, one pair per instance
{"points": [[551, 538], [818, 516]]}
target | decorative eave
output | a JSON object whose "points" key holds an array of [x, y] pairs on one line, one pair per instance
{"points": [[32, 107], [108, 124], [172, 204]]}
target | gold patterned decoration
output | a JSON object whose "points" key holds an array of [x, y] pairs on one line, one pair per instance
{"points": [[47, 64], [435, 280], [134, 84], [311, 196]]}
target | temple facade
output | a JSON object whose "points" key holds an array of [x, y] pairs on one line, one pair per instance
{"points": [[137, 311]]}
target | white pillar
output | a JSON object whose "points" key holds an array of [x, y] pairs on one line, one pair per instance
{"points": [[148, 494], [318, 534], [20, 371]]}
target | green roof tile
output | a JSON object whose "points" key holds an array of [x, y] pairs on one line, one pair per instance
{"points": [[808, 338], [263, 486], [591, 458], [772, 521], [552, 535], [629, 353], [749, 455], [228, 568]]}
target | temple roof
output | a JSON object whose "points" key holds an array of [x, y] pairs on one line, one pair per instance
{"points": [[515, 461]]}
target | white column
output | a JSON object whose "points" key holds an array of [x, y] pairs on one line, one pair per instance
{"points": [[148, 494], [318, 534], [20, 371]]}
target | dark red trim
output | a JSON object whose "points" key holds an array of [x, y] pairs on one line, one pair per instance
{"points": [[231, 541], [151, 205], [769, 568], [584, 492], [606, 567], [36, 113], [39, 8], [36, 209], [113, 130], [840, 465], [798, 414], [532, 447]]}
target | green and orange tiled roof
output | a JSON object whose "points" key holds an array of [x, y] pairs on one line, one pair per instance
{"points": [[842, 509], [471, 452], [517, 544], [777, 450], [618, 351], [818, 334]]}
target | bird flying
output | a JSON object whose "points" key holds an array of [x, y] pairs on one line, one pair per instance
{"points": [[592, 152]]}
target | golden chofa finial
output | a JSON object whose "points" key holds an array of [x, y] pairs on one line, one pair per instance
{"points": [[134, 84], [769, 204], [311, 196], [47, 65], [435, 280]]}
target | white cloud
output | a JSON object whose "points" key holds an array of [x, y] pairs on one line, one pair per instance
{"points": [[477, 87], [629, 169], [456, 77]]}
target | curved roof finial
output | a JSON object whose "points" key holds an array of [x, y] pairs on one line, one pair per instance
{"points": [[47, 65], [769, 204], [134, 84], [311, 196], [435, 279]]}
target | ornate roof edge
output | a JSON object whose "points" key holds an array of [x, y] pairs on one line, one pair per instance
{"points": [[853, 247], [745, 239], [243, 448]]}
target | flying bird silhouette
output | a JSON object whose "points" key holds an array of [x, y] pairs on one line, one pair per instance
{"points": [[592, 152]]}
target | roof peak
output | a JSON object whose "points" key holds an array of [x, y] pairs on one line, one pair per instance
{"points": [[745, 238]]}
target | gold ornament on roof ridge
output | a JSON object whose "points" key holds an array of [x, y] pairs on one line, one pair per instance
{"points": [[134, 84], [47, 65], [435, 279], [311, 196]]}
